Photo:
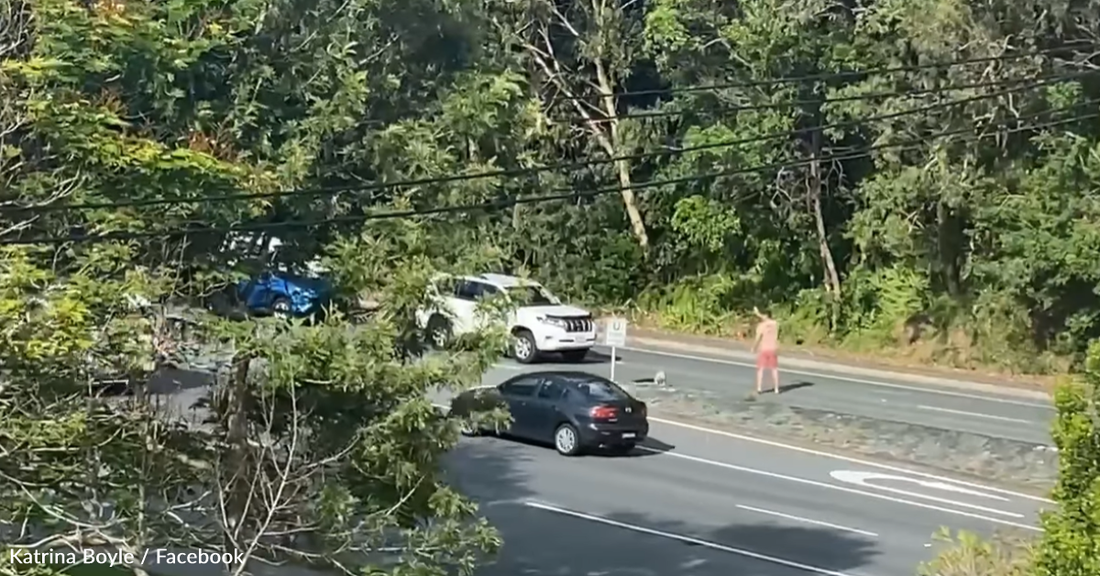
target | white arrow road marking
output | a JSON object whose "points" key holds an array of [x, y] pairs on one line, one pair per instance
{"points": [[863, 478], [962, 490]]}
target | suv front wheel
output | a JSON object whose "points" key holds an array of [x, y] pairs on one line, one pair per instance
{"points": [[524, 348]]}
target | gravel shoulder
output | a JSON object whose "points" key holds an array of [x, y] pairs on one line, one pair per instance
{"points": [[1020, 465]]}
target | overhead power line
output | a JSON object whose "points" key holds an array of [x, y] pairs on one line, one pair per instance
{"points": [[826, 76], [519, 172], [514, 201], [821, 101]]}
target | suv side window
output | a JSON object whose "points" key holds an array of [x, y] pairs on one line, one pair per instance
{"points": [[523, 386], [446, 287], [487, 290], [468, 290]]}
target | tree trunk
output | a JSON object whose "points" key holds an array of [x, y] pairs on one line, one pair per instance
{"points": [[949, 241], [235, 464], [608, 138], [814, 190], [611, 142]]}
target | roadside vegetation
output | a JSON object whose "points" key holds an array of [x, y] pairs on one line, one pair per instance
{"points": [[135, 137], [1070, 543]]}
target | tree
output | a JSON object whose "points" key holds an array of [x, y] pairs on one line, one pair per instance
{"points": [[1071, 537], [334, 460], [160, 107], [583, 53]]}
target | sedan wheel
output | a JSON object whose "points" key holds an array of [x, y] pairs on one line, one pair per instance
{"points": [[566, 440]]}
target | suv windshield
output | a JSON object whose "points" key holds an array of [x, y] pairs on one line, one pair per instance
{"points": [[531, 296]]}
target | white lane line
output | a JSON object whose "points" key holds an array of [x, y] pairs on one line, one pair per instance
{"points": [[846, 489], [685, 539], [878, 465], [807, 520], [512, 367], [927, 390], [905, 493], [975, 414]]}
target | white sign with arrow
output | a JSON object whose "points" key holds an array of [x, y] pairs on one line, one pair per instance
{"points": [[865, 480]]}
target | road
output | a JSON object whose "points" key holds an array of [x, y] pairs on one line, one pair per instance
{"points": [[703, 503], [949, 408], [998, 416]]}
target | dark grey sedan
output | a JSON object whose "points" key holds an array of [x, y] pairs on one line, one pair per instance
{"points": [[572, 410]]}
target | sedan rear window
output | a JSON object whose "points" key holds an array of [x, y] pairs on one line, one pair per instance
{"points": [[601, 390]]}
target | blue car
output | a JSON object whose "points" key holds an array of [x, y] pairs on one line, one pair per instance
{"points": [[284, 294]]}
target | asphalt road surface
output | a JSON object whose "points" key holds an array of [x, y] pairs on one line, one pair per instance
{"points": [[1004, 416], [701, 502], [706, 503]]}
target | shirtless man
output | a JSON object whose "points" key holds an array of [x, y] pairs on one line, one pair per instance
{"points": [[766, 348]]}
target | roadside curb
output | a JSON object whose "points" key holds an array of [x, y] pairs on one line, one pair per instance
{"points": [[836, 371]]}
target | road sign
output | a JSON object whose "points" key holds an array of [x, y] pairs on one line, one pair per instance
{"points": [[615, 335]]}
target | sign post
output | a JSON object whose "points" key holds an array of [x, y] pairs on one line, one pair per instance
{"points": [[614, 337]]}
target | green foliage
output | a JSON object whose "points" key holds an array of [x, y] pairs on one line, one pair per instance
{"points": [[984, 243], [695, 304], [1071, 537], [1071, 531], [967, 250], [970, 555], [321, 445]]}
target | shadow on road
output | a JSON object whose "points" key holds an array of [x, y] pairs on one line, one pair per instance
{"points": [[648, 447], [784, 388], [654, 445], [488, 471], [166, 380], [539, 542], [593, 357], [819, 547], [172, 380]]}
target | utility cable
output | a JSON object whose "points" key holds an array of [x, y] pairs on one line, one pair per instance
{"points": [[509, 202], [795, 80], [313, 192], [826, 76], [812, 102]]}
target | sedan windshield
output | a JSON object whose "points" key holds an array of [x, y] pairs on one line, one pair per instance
{"points": [[601, 390]]}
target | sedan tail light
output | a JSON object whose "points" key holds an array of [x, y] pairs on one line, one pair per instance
{"points": [[604, 413]]}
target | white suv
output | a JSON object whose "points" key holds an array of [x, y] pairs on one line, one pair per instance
{"points": [[539, 322]]}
